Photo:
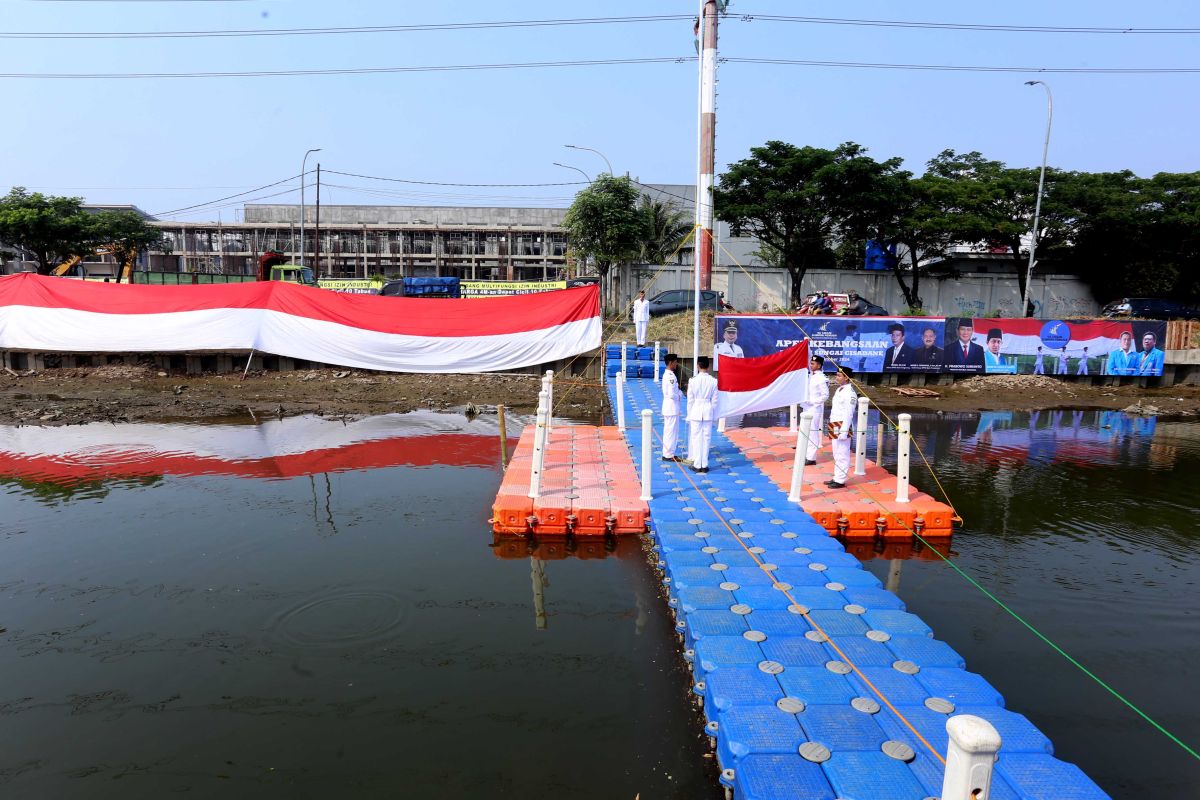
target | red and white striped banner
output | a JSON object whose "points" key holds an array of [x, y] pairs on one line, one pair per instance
{"points": [[758, 384], [49, 314]]}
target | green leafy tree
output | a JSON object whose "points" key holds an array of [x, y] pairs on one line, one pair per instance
{"points": [[803, 201], [605, 224], [666, 228], [919, 222], [986, 203], [51, 228], [124, 234]]}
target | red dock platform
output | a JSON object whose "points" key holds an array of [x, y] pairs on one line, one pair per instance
{"points": [[865, 509], [589, 486]]}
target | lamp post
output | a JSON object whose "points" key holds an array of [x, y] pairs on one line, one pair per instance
{"points": [[593, 150], [577, 169], [1037, 208], [303, 167]]}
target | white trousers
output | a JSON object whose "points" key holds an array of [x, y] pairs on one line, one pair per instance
{"points": [[1082, 367], [640, 326], [699, 440], [670, 435], [814, 436], [841, 458]]}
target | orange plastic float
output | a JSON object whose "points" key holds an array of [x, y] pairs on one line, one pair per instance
{"points": [[864, 510], [588, 487]]}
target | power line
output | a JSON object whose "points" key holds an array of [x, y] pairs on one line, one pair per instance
{"points": [[539, 23], [353, 71], [960, 26], [228, 197], [358, 29], [968, 68], [443, 183], [608, 62]]}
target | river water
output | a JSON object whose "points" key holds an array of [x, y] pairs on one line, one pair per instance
{"points": [[311, 608]]}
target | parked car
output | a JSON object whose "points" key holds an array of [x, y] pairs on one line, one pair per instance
{"points": [[673, 300], [1150, 308], [574, 283]]}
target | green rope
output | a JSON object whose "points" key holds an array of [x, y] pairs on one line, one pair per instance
{"points": [[1062, 652]]}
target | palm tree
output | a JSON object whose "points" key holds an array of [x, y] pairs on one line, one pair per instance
{"points": [[666, 228]]}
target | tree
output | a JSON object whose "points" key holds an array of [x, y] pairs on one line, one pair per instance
{"points": [[124, 234], [920, 223], [666, 228], [986, 203], [802, 201], [51, 228], [605, 224]]}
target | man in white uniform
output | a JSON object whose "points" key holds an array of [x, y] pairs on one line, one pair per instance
{"points": [[702, 398], [727, 347], [1083, 363], [641, 317], [670, 408], [818, 393], [841, 416], [1038, 367], [1062, 362]]}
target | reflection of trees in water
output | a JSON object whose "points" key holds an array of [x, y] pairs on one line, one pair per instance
{"points": [[57, 492]]}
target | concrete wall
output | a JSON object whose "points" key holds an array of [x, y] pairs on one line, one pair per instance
{"points": [[422, 215], [972, 294]]}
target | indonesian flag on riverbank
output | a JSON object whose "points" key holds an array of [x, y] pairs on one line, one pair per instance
{"points": [[758, 384], [59, 315]]}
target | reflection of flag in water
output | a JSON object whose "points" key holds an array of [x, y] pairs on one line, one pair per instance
{"points": [[286, 448], [757, 384]]}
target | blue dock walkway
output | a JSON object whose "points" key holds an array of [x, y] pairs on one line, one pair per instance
{"points": [[815, 681]]}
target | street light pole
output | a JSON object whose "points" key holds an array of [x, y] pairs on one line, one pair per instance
{"points": [[1037, 208], [577, 169], [303, 167], [593, 150]]}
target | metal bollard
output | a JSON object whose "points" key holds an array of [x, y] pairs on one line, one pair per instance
{"points": [[721, 425], [647, 455], [621, 401], [623, 356], [902, 458], [549, 380], [539, 447], [879, 444], [860, 448], [970, 757], [792, 411], [656, 362], [802, 436]]}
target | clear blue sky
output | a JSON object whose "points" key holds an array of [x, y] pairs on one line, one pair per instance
{"points": [[168, 143]]}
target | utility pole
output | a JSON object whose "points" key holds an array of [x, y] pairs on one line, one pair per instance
{"points": [[317, 243], [706, 26]]}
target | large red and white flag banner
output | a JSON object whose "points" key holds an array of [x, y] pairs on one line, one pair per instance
{"points": [[758, 384], [57, 315]]}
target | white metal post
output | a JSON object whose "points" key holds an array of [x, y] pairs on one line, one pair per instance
{"points": [[623, 359], [539, 446], [792, 411], [647, 455], [721, 425], [970, 757], [549, 381], [902, 458], [860, 450], [656, 362], [802, 436], [879, 444], [621, 401]]}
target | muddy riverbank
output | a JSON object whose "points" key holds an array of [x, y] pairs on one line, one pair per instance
{"points": [[137, 393]]}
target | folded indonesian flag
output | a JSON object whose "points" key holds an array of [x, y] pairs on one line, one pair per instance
{"points": [[758, 384]]}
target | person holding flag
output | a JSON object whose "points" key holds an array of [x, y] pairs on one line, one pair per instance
{"points": [[772, 381], [702, 397], [841, 421]]}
